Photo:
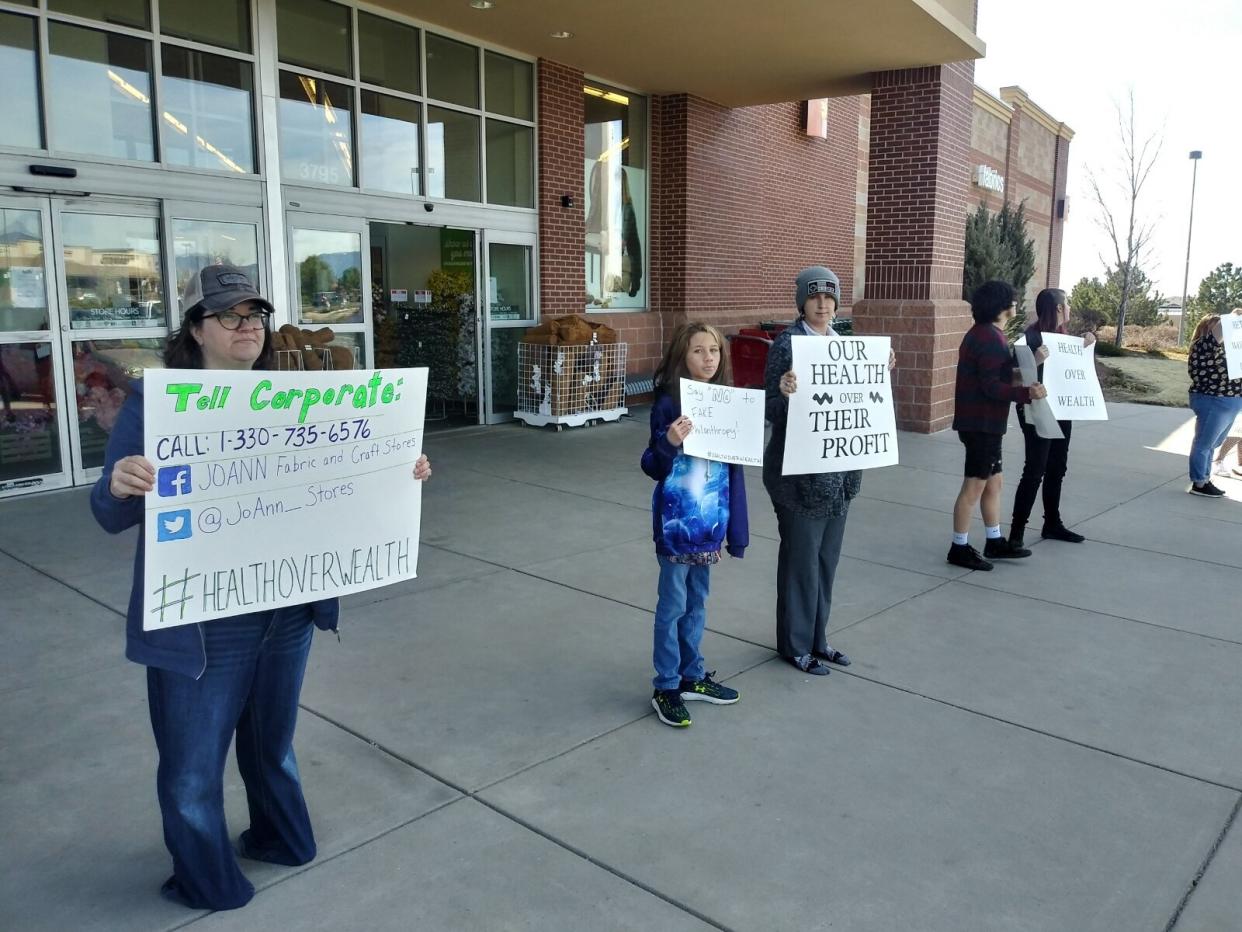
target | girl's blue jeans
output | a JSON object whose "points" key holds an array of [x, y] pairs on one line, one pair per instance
{"points": [[1214, 416], [255, 665], [681, 613]]}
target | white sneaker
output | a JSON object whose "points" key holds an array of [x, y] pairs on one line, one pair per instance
{"points": [[1221, 469]]}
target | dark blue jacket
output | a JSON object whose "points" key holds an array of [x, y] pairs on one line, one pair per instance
{"points": [[692, 518], [180, 649]]}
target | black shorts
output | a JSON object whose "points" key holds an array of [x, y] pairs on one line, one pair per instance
{"points": [[983, 453]]}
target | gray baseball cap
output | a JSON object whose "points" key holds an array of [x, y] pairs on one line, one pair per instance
{"points": [[219, 288]]}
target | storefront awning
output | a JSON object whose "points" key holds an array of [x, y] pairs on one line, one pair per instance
{"points": [[732, 52]]}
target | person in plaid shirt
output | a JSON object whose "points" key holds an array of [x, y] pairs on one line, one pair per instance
{"points": [[985, 388]]}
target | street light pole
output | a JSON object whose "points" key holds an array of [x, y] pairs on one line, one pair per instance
{"points": [[1194, 176]]}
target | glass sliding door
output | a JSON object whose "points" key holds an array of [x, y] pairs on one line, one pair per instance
{"points": [[509, 308], [331, 284], [34, 437]]}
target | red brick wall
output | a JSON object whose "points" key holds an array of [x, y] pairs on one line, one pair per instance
{"points": [[562, 231], [740, 201]]}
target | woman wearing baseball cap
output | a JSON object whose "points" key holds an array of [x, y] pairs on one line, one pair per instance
{"points": [[233, 676]]}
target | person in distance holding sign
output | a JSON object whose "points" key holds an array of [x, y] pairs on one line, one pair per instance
{"points": [[1046, 460], [985, 387]]}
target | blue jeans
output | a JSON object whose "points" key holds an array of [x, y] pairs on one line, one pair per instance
{"points": [[255, 665], [681, 613], [1214, 416]]}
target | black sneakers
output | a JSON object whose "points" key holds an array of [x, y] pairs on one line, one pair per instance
{"points": [[998, 548], [808, 664], [1206, 489], [670, 708], [967, 557], [707, 690], [1061, 532]]}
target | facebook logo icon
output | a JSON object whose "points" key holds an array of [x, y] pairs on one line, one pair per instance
{"points": [[174, 480], [173, 525]]}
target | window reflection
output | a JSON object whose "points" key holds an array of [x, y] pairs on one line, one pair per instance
{"points": [[452, 154], [29, 434], [206, 121], [102, 372], [113, 276], [23, 291], [389, 144], [615, 176], [329, 268], [316, 130], [19, 70], [200, 243], [100, 96]]}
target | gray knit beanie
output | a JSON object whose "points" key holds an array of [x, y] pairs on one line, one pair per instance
{"points": [[817, 280]]}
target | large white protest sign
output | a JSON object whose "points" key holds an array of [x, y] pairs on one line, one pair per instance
{"points": [[278, 488], [841, 417], [1074, 392], [1037, 411], [1231, 324], [728, 422]]}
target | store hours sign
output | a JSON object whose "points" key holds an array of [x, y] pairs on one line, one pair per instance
{"points": [[278, 488]]}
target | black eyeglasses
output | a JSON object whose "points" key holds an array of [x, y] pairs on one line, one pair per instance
{"points": [[231, 320]]}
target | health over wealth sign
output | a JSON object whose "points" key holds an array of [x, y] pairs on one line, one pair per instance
{"points": [[1074, 392], [278, 488], [728, 422], [1231, 324], [841, 417]]}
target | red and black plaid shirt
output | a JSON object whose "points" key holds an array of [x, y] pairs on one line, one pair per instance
{"points": [[985, 381]]}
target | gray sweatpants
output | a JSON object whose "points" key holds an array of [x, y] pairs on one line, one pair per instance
{"points": [[806, 565]]}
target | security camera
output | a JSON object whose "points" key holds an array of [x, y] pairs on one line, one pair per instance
{"points": [[429, 207]]}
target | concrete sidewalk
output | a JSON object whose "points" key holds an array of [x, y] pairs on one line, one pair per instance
{"points": [[1053, 745]]}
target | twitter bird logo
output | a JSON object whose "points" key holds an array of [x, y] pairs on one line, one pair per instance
{"points": [[173, 525]]}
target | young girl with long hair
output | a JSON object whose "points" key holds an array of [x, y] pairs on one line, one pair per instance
{"points": [[698, 507]]}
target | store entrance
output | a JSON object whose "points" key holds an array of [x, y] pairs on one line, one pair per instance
{"points": [[423, 287]]}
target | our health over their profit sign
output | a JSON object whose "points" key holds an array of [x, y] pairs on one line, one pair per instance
{"points": [[728, 422], [278, 488], [841, 417]]}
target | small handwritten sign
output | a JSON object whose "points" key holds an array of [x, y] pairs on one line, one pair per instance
{"points": [[1074, 392], [841, 417], [278, 488], [728, 422], [1231, 324]]}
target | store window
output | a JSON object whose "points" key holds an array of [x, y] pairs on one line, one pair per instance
{"points": [[388, 54], [452, 71], [102, 372], [509, 85], [510, 164], [113, 276], [316, 130], [314, 34], [453, 154], [207, 122], [100, 95], [135, 13], [615, 178], [329, 268], [23, 291], [19, 76], [228, 26], [389, 144]]}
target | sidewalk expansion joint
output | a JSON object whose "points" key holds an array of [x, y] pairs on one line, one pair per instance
{"points": [[61, 582], [1207, 862]]}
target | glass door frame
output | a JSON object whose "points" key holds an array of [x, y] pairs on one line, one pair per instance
{"points": [[140, 208], [53, 336], [307, 220], [487, 408], [174, 210]]}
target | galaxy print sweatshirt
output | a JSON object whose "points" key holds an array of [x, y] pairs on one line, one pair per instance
{"points": [[698, 505]]}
